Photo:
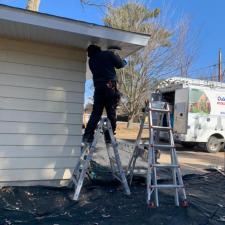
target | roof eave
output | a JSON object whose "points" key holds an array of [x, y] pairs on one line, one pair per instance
{"points": [[94, 33]]}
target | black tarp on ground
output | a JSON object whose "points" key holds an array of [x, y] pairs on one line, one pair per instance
{"points": [[102, 202]]}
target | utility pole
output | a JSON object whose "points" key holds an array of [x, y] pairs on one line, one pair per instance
{"points": [[220, 74], [33, 5]]}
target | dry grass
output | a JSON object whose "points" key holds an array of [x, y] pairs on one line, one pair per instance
{"points": [[122, 132]]}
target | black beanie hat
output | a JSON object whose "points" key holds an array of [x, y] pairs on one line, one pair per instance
{"points": [[92, 49]]}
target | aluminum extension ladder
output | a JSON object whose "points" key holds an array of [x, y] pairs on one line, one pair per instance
{"points": [[160, 110], [81, 169]]}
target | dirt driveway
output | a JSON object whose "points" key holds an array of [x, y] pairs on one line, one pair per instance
{"points": [[196, 160], [192, 160]]}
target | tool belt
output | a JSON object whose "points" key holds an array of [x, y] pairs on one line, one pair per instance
{"points": [[111, 84], [117, 94]]}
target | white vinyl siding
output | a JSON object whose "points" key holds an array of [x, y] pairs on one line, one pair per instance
{"points": [[41, 107]]}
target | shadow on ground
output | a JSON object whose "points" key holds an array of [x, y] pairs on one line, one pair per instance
{"points": [[103, 202]]}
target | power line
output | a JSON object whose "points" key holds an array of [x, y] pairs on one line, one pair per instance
{"points": [[191, 72]]}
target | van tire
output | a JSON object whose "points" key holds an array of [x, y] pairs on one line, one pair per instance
{"points": [[214, 144]]}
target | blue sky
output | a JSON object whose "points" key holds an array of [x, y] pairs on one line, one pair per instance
{"points": [[206, 15]]}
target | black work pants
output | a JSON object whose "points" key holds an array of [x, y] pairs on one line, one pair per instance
{"points": [[104, 97]]}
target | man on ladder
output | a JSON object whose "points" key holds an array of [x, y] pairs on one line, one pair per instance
{"points": [[102, 64]]}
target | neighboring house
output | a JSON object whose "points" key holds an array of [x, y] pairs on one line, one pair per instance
{"points": [[42, 74]]}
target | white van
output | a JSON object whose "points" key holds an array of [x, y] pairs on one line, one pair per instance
{"points": [[198, 111]]}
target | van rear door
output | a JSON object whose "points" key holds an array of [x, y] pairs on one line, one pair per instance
{"points": [[181, 111]]}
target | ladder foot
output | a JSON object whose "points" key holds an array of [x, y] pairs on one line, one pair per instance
{"points": [[184, 203], [151, 205]]}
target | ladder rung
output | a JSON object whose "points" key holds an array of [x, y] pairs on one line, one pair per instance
{"points": [[159, 110], [163, 146], [165, 165], [165, 186], [161, 128]]}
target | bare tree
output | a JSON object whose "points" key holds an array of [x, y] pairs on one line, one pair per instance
{"points": [[169, 49], [136, 79], [33, 5], [186, 46]]}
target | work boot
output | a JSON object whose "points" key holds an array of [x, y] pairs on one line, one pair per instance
{"points": [[87, 140], [107, 141]]}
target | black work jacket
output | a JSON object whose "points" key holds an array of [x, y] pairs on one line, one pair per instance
{"points": [[102, 65]]}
